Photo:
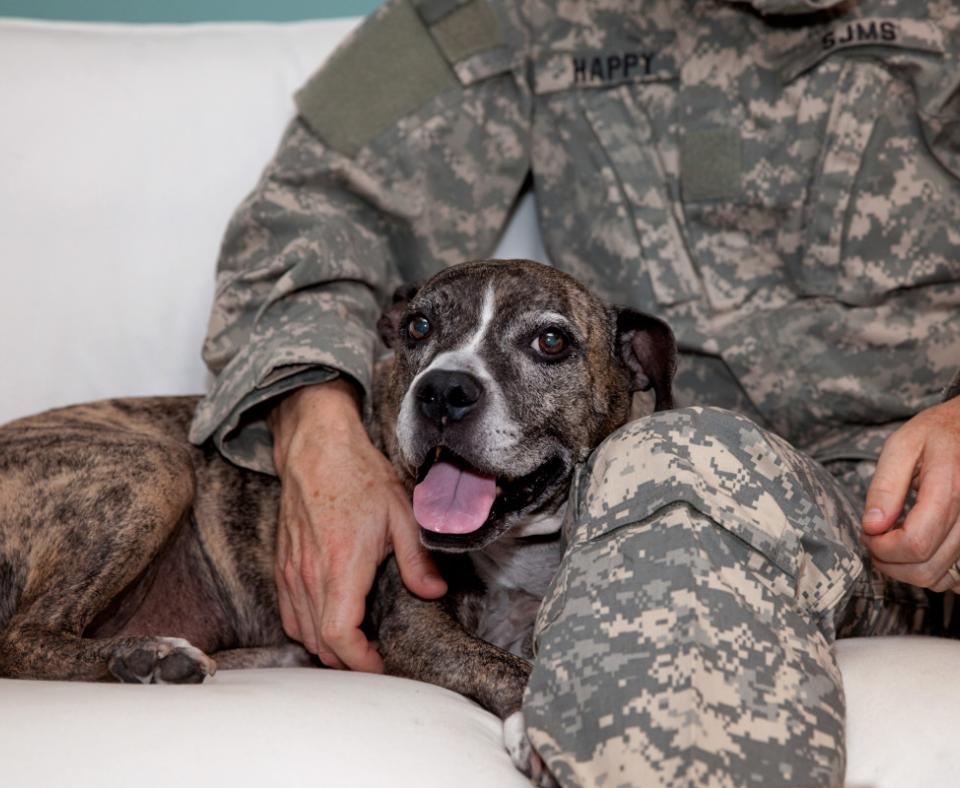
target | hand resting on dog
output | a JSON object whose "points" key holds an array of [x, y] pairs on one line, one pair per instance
{"points": [[342, 510]]}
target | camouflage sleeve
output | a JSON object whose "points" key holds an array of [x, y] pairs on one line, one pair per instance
{"points": [[953, 389], [937, 86], [936, 83], [408, 151]]}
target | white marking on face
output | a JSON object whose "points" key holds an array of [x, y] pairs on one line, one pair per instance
{"points": [[496, 433], [487, 311], [467, 356]]}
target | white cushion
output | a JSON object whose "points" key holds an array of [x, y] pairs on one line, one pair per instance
{"points": [[322, 728], [903, 698], [287, 727], [123, 152]]}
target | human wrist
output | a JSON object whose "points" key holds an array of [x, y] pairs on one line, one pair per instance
{"points": [[331, 408]]}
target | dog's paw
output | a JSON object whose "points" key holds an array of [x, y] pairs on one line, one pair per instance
{"points": [[161, 661], [522, 754]]}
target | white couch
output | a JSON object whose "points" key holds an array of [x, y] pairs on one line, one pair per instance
{"points": [[123, 150]]}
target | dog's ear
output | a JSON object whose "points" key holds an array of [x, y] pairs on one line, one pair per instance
{"points": [[388, 326], [646, 345]]}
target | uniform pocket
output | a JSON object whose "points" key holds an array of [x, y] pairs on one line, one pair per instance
{"points": [[880, 209], [623, 132], [604, 84]]}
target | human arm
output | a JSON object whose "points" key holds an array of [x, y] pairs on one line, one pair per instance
{"points": [[308, 260]]}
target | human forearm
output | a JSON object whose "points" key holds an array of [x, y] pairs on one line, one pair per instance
{"points": [[331, 409]]}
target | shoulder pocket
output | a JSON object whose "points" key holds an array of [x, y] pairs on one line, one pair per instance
{"points": [[471, 36], [879, 207], [404, 55], [388, 68]]}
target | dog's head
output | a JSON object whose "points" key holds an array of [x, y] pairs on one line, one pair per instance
{"points": [[506, 375]]}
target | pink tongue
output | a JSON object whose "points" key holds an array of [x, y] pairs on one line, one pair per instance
{"points": [[453, 501]]}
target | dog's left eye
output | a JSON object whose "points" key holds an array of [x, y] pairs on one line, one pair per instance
{"points": [[419, 327], [550, 342]]}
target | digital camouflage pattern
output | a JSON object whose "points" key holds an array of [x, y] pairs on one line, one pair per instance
{"points": [[784, 193], [686, 638], [783, 190]]}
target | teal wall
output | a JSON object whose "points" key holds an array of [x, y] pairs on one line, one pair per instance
{"points": [[185, 10]]}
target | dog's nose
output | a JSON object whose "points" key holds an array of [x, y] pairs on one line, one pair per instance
{"points": [[445, 395]]}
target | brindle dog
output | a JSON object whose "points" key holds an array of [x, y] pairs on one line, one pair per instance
{"points": [[127, 553]]}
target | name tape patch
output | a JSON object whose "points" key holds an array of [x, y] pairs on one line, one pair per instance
{"points": [[611, 67], [860, 32], [651, 59], [920, 35]]}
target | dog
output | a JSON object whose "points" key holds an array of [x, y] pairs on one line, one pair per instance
{"points": [[126, 553]]}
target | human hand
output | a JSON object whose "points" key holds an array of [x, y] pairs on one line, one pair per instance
{"points": [[924, 454], [342, 509]]}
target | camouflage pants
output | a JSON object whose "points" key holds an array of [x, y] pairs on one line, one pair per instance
{"points": [[687, 636]]}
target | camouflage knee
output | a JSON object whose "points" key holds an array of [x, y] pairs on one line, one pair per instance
{"points": [[754, 484], [682, 640]]}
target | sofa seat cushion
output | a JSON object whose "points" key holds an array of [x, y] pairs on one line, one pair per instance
{"points": [[290, 727], [313, 727]]}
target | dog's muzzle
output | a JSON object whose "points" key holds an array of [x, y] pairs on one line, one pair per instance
{"points": [[448, 396]]}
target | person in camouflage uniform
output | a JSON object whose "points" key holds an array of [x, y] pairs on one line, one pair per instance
{"points": [[780, 181]]}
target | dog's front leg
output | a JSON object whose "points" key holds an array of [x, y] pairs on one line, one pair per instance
{"points": [[423, 640]]}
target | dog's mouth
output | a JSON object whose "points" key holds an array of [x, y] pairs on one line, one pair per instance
{"points": [[454, 498]]}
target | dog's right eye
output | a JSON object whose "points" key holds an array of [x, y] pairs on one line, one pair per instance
{"points": [[551, 343], [419, 328]]}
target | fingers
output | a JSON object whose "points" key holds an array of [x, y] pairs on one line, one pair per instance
{"points": [[928, 544], [933, 573], [890, 485], [322, 582], [322, 605], [288, 616], [417, 569], [926, 452], [297, 611], [334, 533], [343, 609]]}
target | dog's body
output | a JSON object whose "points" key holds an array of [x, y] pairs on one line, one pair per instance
{"points": [[127, 552]]}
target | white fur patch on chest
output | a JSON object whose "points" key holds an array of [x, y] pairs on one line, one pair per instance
{"points": [[516, 576], [507, 620]]}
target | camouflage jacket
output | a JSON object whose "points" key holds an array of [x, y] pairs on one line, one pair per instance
{"points": [[778, 180]]}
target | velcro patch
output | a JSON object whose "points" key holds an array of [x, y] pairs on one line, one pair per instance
{"points": [[432, 11], [710, 165], [469, 30], [387, 70]]}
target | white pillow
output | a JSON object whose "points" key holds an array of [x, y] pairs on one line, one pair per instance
{"points": [[123, 151], [250, 728]]}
